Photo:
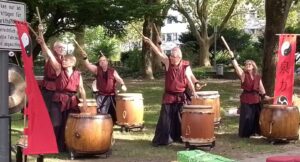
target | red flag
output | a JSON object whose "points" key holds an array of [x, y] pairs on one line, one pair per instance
{"points": [[39, 131], [284, 81]]}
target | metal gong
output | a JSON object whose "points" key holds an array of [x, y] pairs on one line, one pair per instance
{"points": [[16, 81]]}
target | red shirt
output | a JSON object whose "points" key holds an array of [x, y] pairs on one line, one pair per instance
{"points": [[106, 82], [50, 76], [66, 90], [175, 83], [250, 86]]}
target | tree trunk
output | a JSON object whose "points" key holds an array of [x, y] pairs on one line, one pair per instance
{"points": [[79, 37], [146, 51], [276, 15], [204, 53], [156, 63]]}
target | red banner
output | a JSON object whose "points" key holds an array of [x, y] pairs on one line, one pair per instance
{"points": [[284, 81], [39, 131]]}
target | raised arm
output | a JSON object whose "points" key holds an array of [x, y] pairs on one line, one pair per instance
{"points": [[91, 67], [239, 71], [163, 57], [120, 81], [55, 64]]}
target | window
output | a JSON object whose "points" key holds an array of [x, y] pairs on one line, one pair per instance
{"points": [[163, 37], [169, 20], [184, 20], [175, 37], [169, 37]]}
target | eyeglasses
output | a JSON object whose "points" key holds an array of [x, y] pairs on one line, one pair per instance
{"points": [[174, 56], [60, 47]]}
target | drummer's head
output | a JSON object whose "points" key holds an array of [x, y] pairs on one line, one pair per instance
{"points": [[250, 66], [68, 61], [59, 48], [103, 62], [175, 56]]}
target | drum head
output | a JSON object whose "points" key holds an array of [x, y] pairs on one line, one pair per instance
{"points": [[197, 107], [17, 85], [130, 95], [207, 93], [89, 104], [88, 115]]}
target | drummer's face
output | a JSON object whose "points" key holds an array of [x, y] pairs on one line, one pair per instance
{"points": [[248, 66], [103, 61], [175, 57]]}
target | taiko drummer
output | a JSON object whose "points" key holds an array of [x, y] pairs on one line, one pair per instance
{"points": [[106, 79], [178, 76]]}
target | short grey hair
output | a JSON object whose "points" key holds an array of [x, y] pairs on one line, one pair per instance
{"points": [[177, 51]]}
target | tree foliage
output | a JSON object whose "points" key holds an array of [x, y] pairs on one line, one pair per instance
{"points": [[200, 15]]}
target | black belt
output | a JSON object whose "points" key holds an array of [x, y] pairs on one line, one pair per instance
{"points": [[49, 79], [250, 92]]}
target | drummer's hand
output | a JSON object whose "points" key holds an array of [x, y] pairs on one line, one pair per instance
{"points": [[231, 54], [146, 39], [84, 107], [199, 86], [123, 88], [41, 28], [83, 54], [268, 98], [40, 40], [194, 94]]}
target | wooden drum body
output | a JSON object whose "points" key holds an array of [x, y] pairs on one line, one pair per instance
{"points": [[197, 124], [279, 122], [91, 134], [210, 98], [129, 109]]}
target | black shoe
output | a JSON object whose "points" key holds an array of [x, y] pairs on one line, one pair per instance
{"points": [[155, 145]]}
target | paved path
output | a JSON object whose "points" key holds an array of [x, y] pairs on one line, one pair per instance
{"points": [[263, 157]]}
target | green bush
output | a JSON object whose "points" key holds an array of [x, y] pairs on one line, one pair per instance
{"points": [[222, 57], [132, 60], [250, 53]]}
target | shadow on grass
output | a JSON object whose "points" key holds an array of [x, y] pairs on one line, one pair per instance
{"points": [[128, 151]]}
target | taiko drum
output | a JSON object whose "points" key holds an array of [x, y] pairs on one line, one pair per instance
{"points": [[129, 109], [279, 122], [197, 124], [87, 133], [211, 98]]}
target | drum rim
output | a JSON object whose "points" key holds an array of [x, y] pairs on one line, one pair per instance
{"points": [[88, 115], [129, 94], [197, 107], [89, 104], [276, 106], [207, 93]]}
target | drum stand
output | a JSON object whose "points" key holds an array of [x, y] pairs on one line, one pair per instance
{"points": [[104, 155], [128, 128], [194, 145]]}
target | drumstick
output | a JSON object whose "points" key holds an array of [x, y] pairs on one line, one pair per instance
{"points": [[38, 14], [224, 41], [78, 46], [137, 30], [156, 30], [36, 35], [157, 33]]}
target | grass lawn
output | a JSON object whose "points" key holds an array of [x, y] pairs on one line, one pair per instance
{"points": [[136, 146]]}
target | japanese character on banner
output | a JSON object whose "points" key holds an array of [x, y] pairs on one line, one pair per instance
{"points": [[284, 81]]}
